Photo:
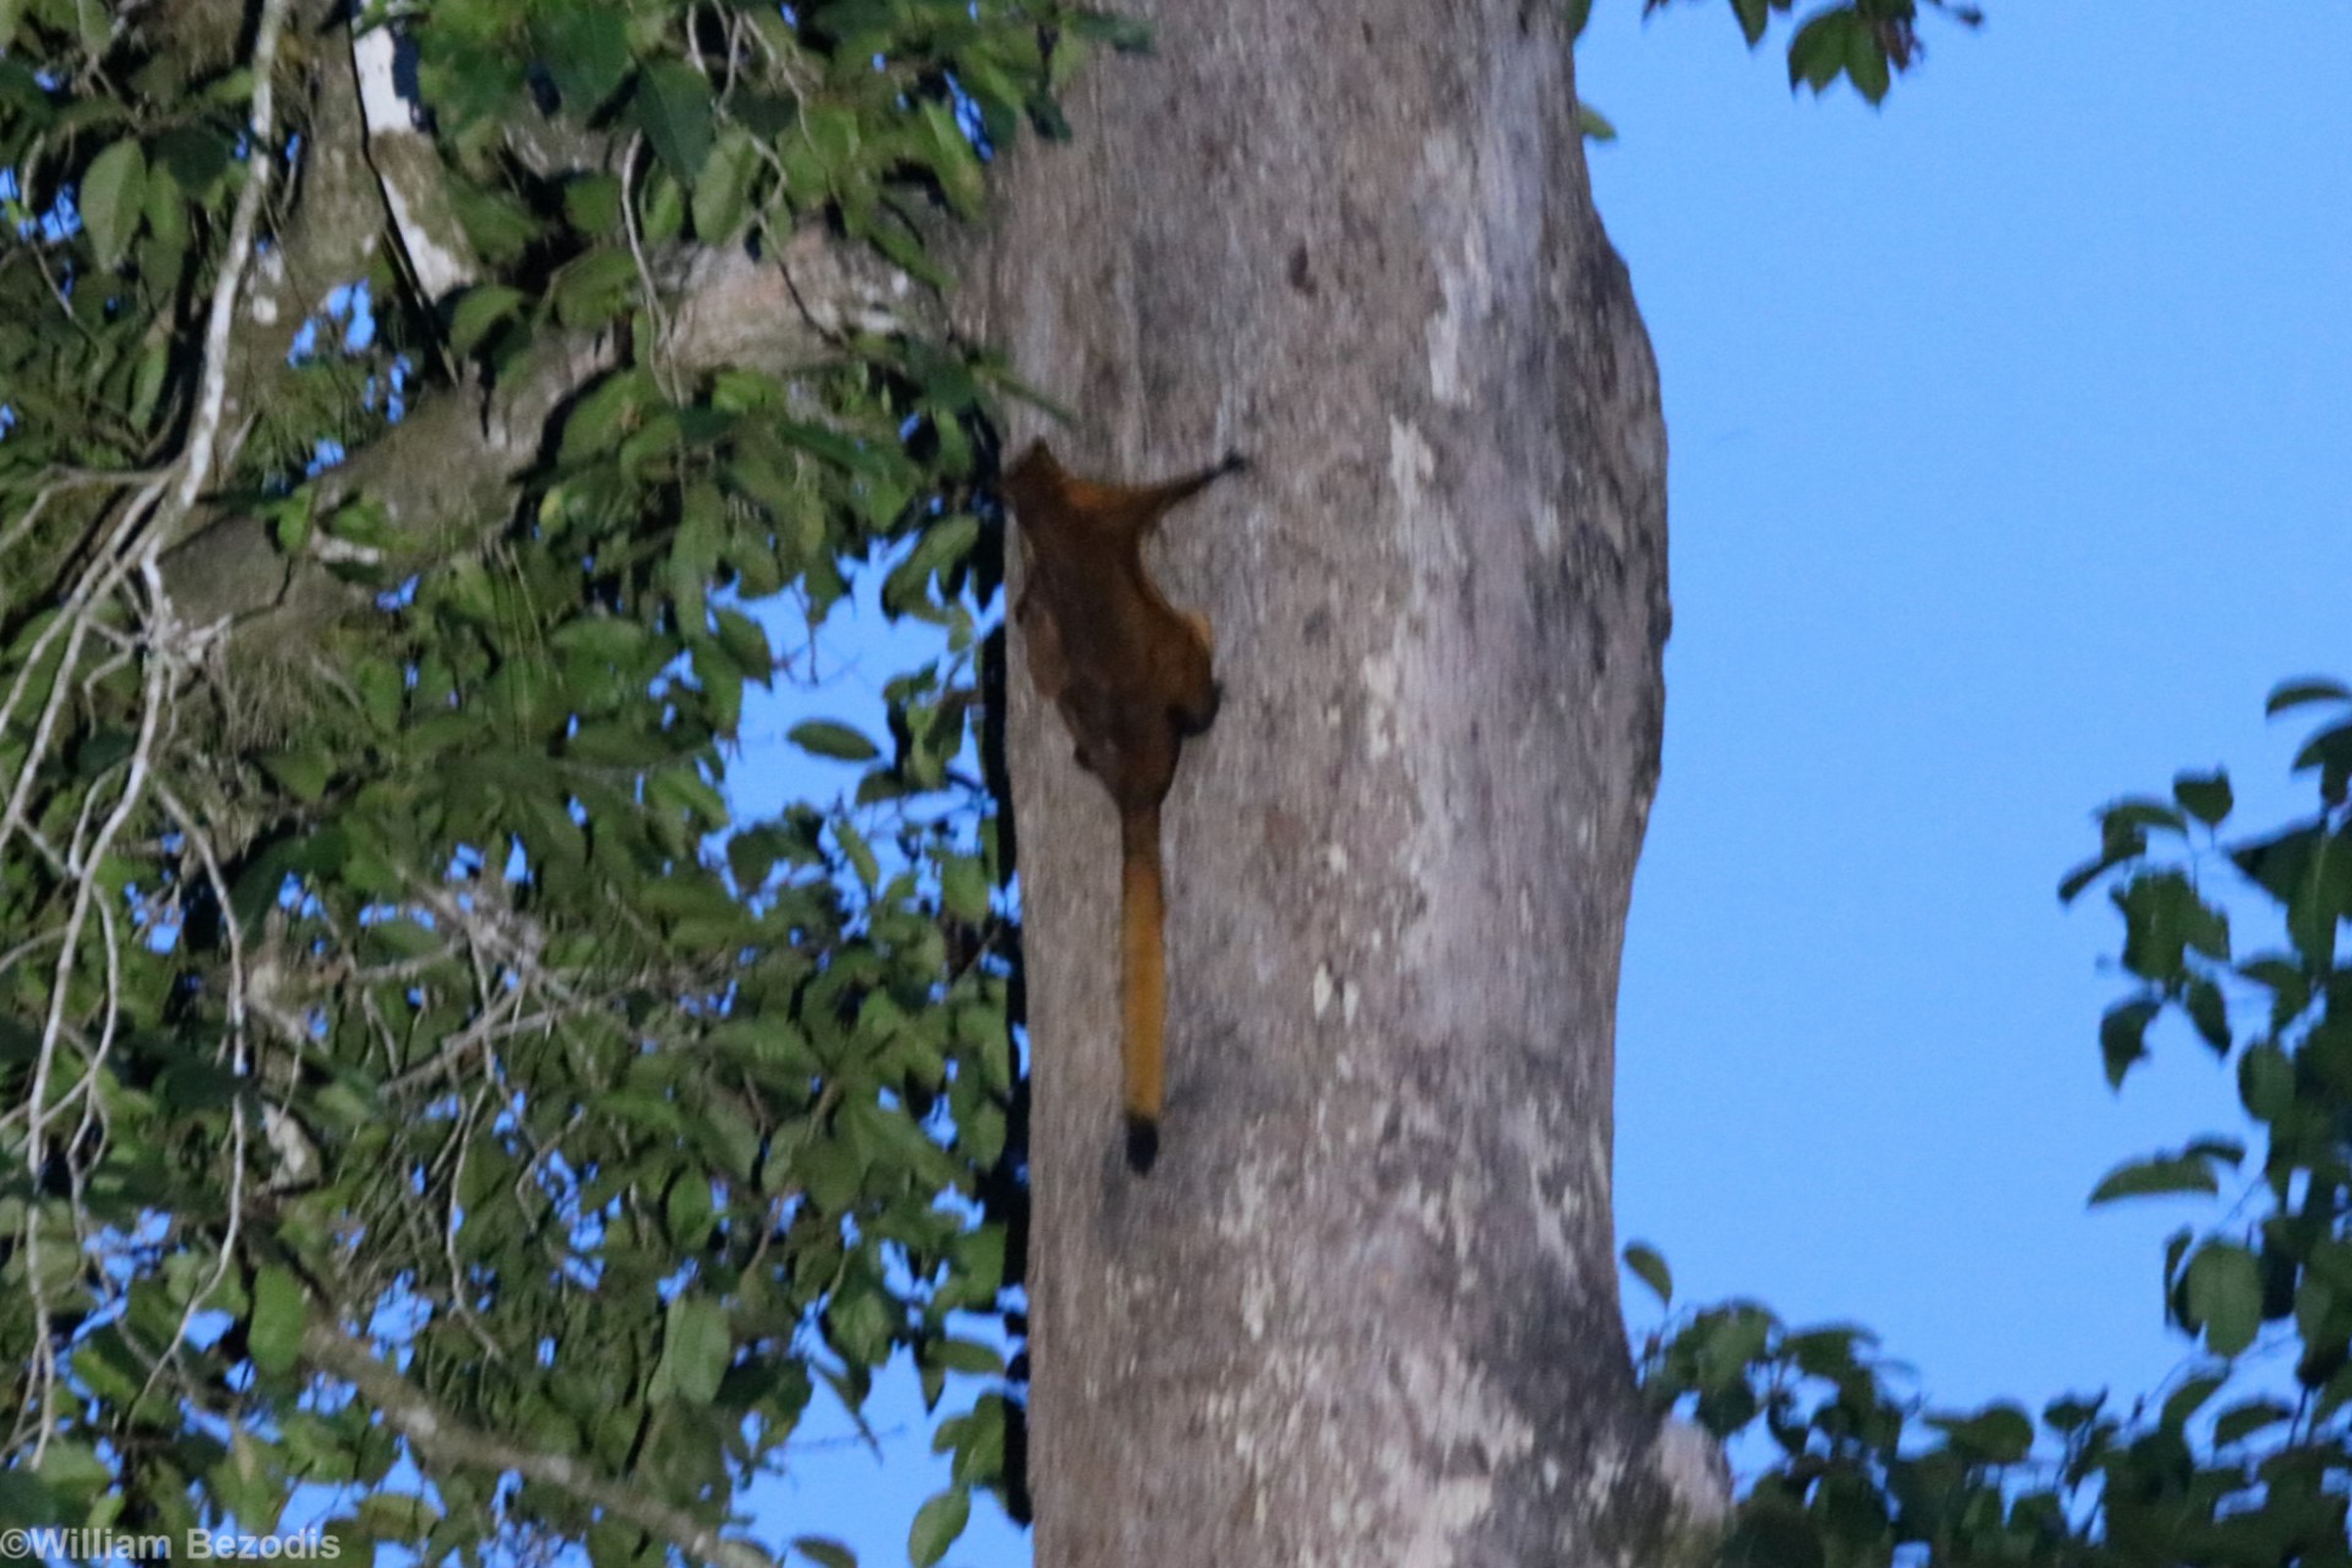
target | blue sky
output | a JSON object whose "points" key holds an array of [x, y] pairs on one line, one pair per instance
{"points": [[2012, 464]]}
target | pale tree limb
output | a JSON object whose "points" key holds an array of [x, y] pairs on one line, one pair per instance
{"points": [[440, 1439], [407, 170], [203, 435], [443, 477]]}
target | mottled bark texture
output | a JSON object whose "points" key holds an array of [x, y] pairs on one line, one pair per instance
{"points": [[1365, 1309]]}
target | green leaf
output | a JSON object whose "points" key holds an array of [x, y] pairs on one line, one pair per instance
{"points": [[1817, 54], [1828, 1351], [978, 1267], [859, 1322], [233, 90], [1593, 124], [496, 222], [2148, 1177], [195, 155], [2331, 1265], [592, 204], [303, 773], [73, 1467], [664, 207], [290, 525], [824, 737], [2190, 1397], [2210, 1014], [937, 1524], [2204, 796], [2305, 870], [154, 361], [824, 1552], [722, 190], [684, 791], [2118, 842], [2163, 919], [839, 450], [113, 189], [2175, 1248], [963, 888], [861, 855], [2081, 876], [1774, 1532], [2266, 1082], [2243, 1421], [279, 1313], [585, 49], [397, 1516], [965, 1355], [597, 422], [952, 159], [1649, 1267], [2071, 1414], [979, 1443], [2223, 1290], [901, 244], [2122, 1036], [672, 106], [1575, 14], [746, 642], [613, 639], [2335, 1395], [2309, 689], [2139, 812], [1866, 61], [1753, 15], [2229, 1150], [753, 852], [688, 1212], [1999, 1434], [480, 308], [2331, 752], [696, 1346], [596, 288], [618, 746]]}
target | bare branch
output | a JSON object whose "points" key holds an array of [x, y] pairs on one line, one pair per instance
{"points": [[408, 170], [445, 475], [442, 1439]]}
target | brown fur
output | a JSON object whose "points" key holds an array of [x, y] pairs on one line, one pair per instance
{"points": [[1130, 675]]}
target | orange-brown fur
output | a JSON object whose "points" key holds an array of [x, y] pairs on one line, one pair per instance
{"points": [[1130, 674]]}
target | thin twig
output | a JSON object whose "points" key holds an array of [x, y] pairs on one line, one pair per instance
{"points": [[645, 273]]}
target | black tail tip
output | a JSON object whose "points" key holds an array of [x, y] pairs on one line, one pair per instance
{"points": [[1142, 1143]]}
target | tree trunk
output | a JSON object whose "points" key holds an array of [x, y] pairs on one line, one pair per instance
{"points": [[1365, 1307]]}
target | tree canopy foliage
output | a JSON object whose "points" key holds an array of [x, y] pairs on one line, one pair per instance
{"points": [[415, 1085], [2246, 1457], [394, 1022]]}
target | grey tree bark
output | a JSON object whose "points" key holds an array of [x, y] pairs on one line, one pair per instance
{"points": [[1365, 1308]]}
